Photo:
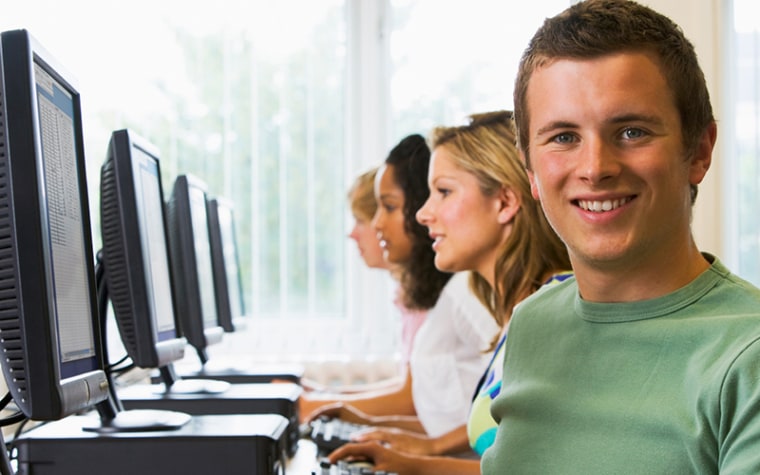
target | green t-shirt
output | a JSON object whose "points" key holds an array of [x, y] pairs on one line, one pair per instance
{"points": [[668, 385]]}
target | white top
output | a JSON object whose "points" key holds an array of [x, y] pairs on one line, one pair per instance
{"points": [[449, 356]]}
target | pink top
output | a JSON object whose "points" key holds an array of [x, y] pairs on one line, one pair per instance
{"points": [[411, 321]]}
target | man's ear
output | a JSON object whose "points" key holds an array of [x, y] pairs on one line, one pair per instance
{"points": [[509, 205], [533, 186], [702, 158], [531, 177]]}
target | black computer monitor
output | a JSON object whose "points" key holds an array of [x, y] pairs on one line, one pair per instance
{"points": [[190, 251], [49, 328], [226, 262], [134, 265], [135, 252]]}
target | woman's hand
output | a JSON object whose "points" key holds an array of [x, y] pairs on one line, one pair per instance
{"points": [[398, 439], [382, 458], [341, 410]]}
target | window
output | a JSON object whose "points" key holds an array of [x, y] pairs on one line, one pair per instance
{"points": [[451, 59], [278, 106], [742, 143]]}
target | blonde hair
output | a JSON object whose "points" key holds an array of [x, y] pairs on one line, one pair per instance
{"points": [[486, 148], [361, 195]]}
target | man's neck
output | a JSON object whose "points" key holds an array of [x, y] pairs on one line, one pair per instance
{"points": [[640, 279]]}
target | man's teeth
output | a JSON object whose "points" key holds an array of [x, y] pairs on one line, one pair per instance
{"points": [[599, 206]]}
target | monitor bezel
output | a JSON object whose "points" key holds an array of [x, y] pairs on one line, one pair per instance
{"points": [[42, 385], [222, 284], [126, 273], [193, 325]]}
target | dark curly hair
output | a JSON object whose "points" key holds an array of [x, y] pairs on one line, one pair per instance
{"points": [[421, 281]]}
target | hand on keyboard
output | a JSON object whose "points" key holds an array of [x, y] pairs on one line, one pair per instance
{"points": [[340, 410], [347, 468], [400, 439], [384, 459], [328, 434]]}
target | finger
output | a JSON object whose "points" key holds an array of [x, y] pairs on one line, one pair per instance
{"points": [[372, 434], [363, 450]]}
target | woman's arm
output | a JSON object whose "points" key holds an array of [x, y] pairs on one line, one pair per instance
{"points": [[395, 401]]}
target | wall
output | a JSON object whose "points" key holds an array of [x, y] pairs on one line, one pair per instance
{"points": [[701, 21]]}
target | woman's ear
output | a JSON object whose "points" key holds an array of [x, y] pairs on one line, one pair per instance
{"points": [[509, 205]]}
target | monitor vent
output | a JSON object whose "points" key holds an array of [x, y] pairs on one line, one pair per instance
{"points": [[113, 256], [11, 343]]}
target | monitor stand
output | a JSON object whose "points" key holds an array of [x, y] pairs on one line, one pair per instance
{"points": [[145, 420], [234, 371], [228, 444], [194, 386]]}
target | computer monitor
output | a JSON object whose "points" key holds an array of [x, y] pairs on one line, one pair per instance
{"points": [[135, 252], [134, 265], [49, 327], [190, 251], [226, 263]]}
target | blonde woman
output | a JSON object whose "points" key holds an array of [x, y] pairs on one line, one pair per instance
{"points": [[482, 218], [448, 354]]}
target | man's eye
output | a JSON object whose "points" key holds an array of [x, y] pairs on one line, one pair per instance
{"points": [[633, 133], [563, 138]]}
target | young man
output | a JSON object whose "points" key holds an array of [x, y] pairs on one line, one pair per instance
{"points": [[649, 360]]}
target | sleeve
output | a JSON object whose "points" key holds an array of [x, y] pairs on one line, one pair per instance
{"points": [[739, 423]]}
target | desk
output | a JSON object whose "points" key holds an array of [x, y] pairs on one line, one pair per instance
{"points": [[237, 370], [305, 459]]}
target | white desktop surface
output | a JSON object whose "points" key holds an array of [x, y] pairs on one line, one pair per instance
{"points": [[305, 461]]}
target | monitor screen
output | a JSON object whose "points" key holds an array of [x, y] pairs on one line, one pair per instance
{"points": [[199, 221], [191, 262], [227, 276], [155, 249], [135, 251], [49, 323], [65, 231]]}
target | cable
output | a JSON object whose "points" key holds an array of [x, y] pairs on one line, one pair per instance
{"points": [[14, 418], [119, 371], [101, 284], [114, 366], [5, 463], [5, 400], [19, 429]]}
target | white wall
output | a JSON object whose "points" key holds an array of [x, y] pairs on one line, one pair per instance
{"points": [[701, 21]]}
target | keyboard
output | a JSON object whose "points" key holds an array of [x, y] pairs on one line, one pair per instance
{"points": [[328, 433], [347, 468]]}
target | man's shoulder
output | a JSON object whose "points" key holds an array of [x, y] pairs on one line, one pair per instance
{"points": [[552, 298], [560, 286], [734, 292]]}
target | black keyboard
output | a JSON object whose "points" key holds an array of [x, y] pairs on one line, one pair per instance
{"points": [[328, 434], [347, 468]]}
